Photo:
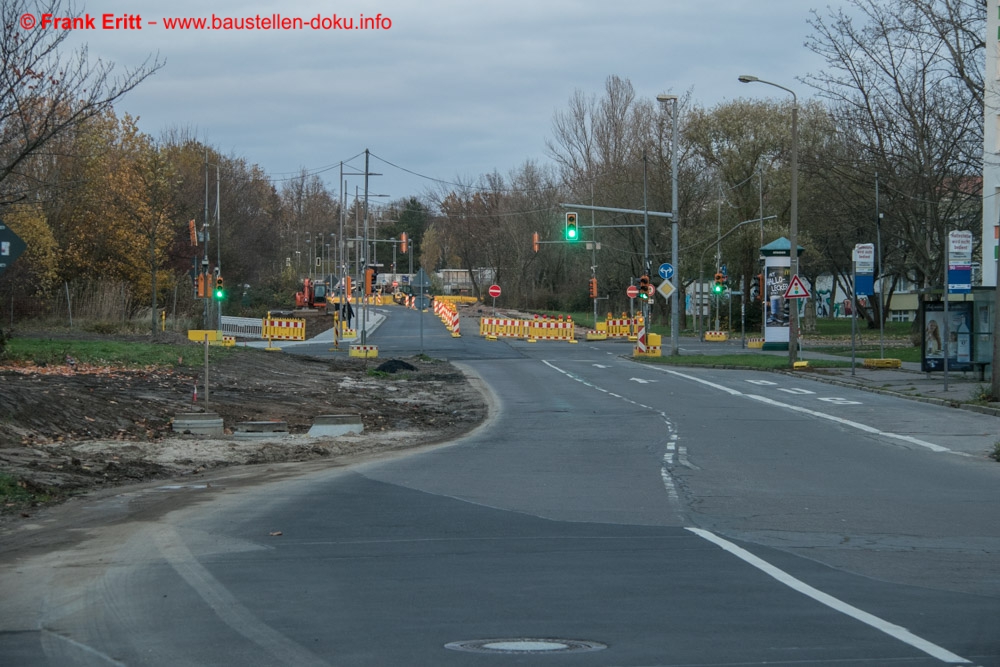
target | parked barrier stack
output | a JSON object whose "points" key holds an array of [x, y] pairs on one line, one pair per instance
{"points": [[448, 313]]}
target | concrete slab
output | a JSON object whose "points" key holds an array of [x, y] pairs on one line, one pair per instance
{"points": [[334, 425]]}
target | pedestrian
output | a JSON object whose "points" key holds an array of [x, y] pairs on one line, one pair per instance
{"points": [[347, 312]]}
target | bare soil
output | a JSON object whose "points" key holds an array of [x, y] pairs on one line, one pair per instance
{"points": [[66, 430]]}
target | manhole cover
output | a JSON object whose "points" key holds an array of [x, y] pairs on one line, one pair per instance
{"points": [[525, 646]]}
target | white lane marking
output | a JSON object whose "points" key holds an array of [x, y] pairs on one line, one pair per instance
{"points": [[822, 415], [796, 390], [763, 383], [226, 606], [894, 631], [853, 424], [671, 450], [640, 380]]}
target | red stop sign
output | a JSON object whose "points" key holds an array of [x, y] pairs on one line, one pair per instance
{"points": [[494, 291], [632, 291]]}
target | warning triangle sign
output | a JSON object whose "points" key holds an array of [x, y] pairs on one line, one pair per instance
{"points": [[796, 289]]}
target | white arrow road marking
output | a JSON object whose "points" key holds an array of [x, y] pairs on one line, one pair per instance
{"points": [[601, 366], [640, 380]]}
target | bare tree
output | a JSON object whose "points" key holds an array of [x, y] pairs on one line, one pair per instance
{"points": [[45, 90], [907, 100]]}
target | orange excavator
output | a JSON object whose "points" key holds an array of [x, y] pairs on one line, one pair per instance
{"points": [[313, 295]]}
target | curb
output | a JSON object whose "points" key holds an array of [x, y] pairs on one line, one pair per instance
{"points": [[959, 405]]}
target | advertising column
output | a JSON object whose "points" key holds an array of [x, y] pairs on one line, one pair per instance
{"points": [[777, 277]]}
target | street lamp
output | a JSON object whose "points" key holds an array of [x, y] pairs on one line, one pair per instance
{"points": [[793, 227], [674, 301]]}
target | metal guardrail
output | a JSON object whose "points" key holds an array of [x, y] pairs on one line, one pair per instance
{"points": [[244, 327]]}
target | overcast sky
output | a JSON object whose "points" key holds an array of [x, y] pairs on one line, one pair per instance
{"points": [[447, 88]]}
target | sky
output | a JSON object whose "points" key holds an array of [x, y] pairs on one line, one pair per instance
{"points": [[443, 89]]}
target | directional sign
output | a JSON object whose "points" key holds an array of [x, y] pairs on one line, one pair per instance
{"points": [[666, 271], [864, 257], [666, 288], [11, 246], [632, 291], [421, 280], [796, 289], [494, 291]]}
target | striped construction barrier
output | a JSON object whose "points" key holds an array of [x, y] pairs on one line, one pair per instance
{"points": [[716, 336], [448, 313], [539, 328], [755, 343], [552, 329], [284, 328], [503, 327], [622, 327], [647, 345], [363, 351]]}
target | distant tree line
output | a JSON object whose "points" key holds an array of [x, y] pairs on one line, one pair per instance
{"points": [[899, 100]]}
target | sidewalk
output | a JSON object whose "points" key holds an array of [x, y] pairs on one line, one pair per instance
{"points": [[963, 390]]}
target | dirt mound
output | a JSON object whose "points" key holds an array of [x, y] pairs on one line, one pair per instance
{"points": [[394, 366], [73, 427]]}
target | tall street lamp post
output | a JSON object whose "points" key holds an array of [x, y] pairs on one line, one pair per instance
{"points": [[675, 312], [793, 226]]}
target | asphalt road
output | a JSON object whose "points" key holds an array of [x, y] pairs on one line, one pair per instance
{"points": [[609, 513]]}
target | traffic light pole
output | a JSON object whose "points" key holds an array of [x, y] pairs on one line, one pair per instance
{"points": [[701, 260]]}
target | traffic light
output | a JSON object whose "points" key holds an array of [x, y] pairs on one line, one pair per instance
{"points": [[572, 228], [593, 288], [369, 280], [534, 241], [220, 289], [201, 285], [403, 242], [644, 287], [719, 286]]}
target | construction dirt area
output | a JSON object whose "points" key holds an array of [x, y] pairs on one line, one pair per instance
{"points": [[68, 429]]}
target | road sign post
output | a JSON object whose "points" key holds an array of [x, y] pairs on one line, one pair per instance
{"points": [[494, 292]]}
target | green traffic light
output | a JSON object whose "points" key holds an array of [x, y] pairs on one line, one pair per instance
{"points": [[571, 233], [220, 294], [718, 288]]}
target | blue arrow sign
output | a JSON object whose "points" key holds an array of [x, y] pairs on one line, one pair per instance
{"points": [[666, 271]]}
